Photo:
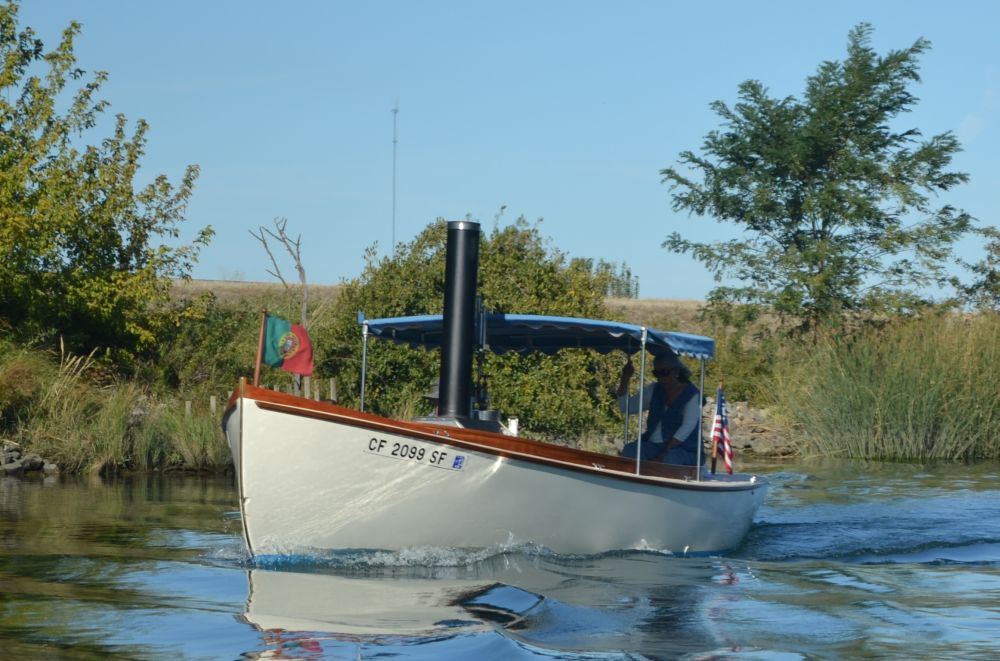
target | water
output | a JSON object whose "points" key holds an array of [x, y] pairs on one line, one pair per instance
{"points": [[846, 560]]}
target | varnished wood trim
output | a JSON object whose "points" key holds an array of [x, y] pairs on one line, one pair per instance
{"points": [[494, 443]]}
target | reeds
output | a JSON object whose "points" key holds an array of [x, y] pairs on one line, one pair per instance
{"points": [[169, 437], [919, 390], [81, 426]]}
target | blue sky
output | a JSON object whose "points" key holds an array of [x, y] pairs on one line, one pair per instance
{"points": [[560, 111]]}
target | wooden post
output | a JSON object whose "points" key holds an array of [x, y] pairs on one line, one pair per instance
{"points": [[211, 404], [187, 408], [333, 390], [307, 387]]}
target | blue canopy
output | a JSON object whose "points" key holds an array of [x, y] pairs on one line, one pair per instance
{"points": [[527, 333]]}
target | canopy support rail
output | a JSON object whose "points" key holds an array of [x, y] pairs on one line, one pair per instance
{"points": [[364, 360], [701, 418], [642, 386]]}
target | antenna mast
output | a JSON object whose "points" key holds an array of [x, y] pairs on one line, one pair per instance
{"points": [[395, 112]]}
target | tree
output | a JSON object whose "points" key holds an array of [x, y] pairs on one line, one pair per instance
{"points": [[294, 250], [554, 396], [835, 201], [984, 291], [84, 253]]}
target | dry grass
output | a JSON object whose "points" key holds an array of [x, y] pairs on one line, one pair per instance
{"points": [[666, 314], [229, 291]]}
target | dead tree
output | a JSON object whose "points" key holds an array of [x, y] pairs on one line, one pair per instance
{"points": [[294, 248]]}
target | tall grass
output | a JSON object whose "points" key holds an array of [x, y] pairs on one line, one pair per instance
{"points": [[168, 437], [61, 422], [919, 390], [66, 414]]}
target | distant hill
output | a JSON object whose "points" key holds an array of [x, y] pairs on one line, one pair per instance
{"points": [[234, 290], [674, 314]]}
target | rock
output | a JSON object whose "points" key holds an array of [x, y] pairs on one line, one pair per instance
{"points": [[13, 468], [13, 461], [32, 462], [750, 430], [770, 445]]}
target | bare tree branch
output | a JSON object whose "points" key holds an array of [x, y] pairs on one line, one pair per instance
{"points": [[267, 248], [294, 249]]}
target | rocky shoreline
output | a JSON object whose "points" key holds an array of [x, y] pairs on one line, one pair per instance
{"points": [[14, 461], [752, 431]]}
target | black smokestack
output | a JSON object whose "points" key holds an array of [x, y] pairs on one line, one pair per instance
{"points": [[460, 272]]}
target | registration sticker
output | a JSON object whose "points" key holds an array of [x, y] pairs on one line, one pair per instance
{"points": [[416, 452]]}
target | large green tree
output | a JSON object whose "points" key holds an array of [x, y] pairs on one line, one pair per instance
{"points": [[87, 254], [836, 201], [519, 272]]}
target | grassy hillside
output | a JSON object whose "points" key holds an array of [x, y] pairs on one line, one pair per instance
{"points": [[667, 314], [228, 291]]}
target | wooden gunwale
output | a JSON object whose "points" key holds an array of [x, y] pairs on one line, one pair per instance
{"points": [[492, 443]]}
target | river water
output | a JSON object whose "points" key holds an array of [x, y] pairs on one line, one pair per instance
{"points": [[845, 560]]}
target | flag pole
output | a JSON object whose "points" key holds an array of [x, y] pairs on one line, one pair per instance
{"points": [[715, 440], [260, 347]]}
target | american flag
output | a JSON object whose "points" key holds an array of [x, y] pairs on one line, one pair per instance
{"points": [[720, 431]]}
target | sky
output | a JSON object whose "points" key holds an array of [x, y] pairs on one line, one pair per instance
{"points": [[563, 112]]}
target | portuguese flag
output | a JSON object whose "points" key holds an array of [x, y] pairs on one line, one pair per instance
{"points": [[287, 345]]}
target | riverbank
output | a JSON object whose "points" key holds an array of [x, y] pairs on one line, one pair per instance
{"points": [[753, 431], [16, 461]]}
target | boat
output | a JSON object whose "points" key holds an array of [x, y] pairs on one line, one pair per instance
{"points": [[316, 477]]}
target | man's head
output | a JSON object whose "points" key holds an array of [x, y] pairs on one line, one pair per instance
{"points": [[668, 364]]}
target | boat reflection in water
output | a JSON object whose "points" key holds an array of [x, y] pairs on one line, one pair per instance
{"points": [[359, 606], [495, 607]]}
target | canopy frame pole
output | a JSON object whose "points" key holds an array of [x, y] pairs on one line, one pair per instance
{"points": [[628, 388], [364, 361], [628, 409], [701, 418], [642, 387]]}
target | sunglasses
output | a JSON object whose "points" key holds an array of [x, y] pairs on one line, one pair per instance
{"points": [[663, 372]]}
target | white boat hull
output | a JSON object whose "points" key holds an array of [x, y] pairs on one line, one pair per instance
{"points": [[316, 477]]}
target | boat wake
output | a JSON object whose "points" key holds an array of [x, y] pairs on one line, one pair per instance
{"points": [[425, 556], [980, 553], [418, 556]]}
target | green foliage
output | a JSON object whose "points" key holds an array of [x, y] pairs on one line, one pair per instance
{"points": [[984, 292], [519, 273], [209, 350], [85, 254], [918, 390], [838, 204], [615, 280], [745, 363], [23, 375], [168, 437], [71, 413]]}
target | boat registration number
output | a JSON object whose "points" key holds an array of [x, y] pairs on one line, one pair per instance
{"points": [[416, 452]]}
